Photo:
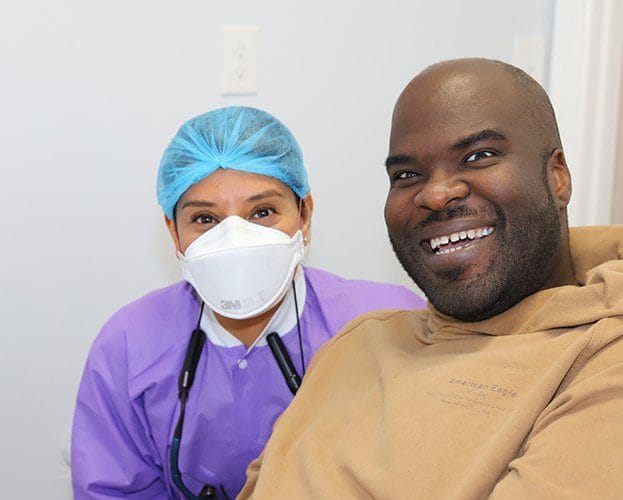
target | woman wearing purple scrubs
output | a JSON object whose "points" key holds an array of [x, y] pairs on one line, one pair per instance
{"points": [[236, 200]]}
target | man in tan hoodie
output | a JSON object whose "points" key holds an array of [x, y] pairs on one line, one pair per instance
{"points": [[510, 385]]}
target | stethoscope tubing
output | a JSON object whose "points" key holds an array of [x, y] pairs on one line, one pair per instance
{"points": [[186, 379]]}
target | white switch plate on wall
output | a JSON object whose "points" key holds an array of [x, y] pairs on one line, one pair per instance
{"points": [[239, 56]]}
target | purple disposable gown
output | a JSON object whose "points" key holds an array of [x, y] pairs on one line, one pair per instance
{"points": [[127, 404]]}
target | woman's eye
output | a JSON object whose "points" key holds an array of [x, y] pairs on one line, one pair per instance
{"points": [[262, 213], [479, 155], [204, 219]]}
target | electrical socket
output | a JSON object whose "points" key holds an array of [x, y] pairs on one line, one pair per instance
{"points": [[239, 57]]}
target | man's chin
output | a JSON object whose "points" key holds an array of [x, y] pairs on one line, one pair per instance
{"points": [[450, 280], [463, 296]]}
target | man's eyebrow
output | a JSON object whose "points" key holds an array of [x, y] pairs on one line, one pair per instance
{"points": [[398, 160], [483, 135]]}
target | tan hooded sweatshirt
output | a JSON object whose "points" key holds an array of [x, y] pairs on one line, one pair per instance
{"points": [[414, 404]]}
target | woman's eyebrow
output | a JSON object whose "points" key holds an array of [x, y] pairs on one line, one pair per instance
{"points": [[265, 194], [197, 203], [470, 140], [209, 204]]}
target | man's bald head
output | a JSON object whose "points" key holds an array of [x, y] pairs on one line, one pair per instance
{"points": [[507, 83]]}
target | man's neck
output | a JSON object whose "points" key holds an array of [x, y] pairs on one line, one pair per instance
{"points": [[563, 272]]}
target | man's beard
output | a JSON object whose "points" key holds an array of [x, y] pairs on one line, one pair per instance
{"points": [[526, 244]]}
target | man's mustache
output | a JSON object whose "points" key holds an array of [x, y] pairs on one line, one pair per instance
{"points": [[460, 211]]}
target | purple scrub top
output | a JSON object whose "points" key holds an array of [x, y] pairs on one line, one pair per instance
{"points": [[128, 406]]}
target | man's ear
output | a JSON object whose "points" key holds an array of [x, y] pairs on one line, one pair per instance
{"points": [[172, 227], [559, 178], [307, 209]]}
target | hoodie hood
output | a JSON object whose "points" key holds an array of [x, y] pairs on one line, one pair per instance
{"points": [[597, 256]]}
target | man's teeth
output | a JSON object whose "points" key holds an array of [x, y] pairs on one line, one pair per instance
{"points": [[471, 234]]}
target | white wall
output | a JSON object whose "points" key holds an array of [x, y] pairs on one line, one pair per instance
{"points": [[90, 94], [586, 88]]}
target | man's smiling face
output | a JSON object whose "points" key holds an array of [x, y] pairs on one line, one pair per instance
{"points": [[470, 211]]}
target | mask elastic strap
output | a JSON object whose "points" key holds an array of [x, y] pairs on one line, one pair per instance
{"points": [[296, 301], [298, 328]]}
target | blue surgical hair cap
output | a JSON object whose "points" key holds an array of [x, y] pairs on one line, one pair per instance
{"points": [[238, 137]]}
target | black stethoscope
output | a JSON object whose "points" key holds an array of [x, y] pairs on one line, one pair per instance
{"points": [[187, 376]]}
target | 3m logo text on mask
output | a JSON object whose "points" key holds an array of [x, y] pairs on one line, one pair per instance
{"points": [[231, 305], [239, 304]]}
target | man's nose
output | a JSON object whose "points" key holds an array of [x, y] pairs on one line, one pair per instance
{"points": [[440, 190]]}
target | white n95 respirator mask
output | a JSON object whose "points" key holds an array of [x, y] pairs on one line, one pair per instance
{"points": [[241, 269]]}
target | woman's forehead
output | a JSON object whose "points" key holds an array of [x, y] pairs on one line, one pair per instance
{"points": [[234, 185]]}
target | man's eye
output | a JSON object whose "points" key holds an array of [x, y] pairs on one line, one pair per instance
{"points": [[405, 174], [479, 155], [262, 213]]}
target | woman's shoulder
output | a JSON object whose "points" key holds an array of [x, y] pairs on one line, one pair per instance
{"points": [[157, 304], [151, 322]]}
